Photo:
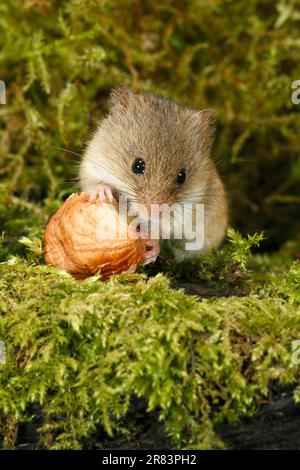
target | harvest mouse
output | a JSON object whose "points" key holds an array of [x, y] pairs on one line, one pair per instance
{"points": [[155, 151]]}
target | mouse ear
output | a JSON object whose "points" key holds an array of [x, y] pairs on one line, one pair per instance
{"points": [[121, 97], [206, 119]]}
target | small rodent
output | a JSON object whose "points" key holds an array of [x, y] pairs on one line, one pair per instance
{"points": [[155, 151]]}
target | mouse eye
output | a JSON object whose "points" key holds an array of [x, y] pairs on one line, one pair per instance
{"points": [[138, 166], [181, 177]]}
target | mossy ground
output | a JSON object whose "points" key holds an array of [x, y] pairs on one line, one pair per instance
{"points": [[83, 350]]}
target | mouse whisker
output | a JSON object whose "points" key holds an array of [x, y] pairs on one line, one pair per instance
{"points": [[193, 198], [66, 150]]}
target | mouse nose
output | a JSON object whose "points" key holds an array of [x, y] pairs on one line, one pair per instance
{"points": [[150, 198], [147, 201], [153, 199]]}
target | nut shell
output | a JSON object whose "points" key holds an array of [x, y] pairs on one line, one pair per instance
{"points": [[80, 238]]}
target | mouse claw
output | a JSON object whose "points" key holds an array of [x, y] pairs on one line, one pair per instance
{"points": [[152, 252], [102, 193]]}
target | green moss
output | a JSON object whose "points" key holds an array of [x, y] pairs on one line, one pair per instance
{"points": [[225, 267], [82, 350]]}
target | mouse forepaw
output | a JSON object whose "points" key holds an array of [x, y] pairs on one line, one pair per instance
{"points": [[102, 193], [152, 252]]}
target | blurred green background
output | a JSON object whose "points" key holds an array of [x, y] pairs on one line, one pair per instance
{"points": [[60, 59]]}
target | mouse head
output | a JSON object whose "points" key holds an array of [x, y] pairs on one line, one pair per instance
{"points": [[154, 150]]}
